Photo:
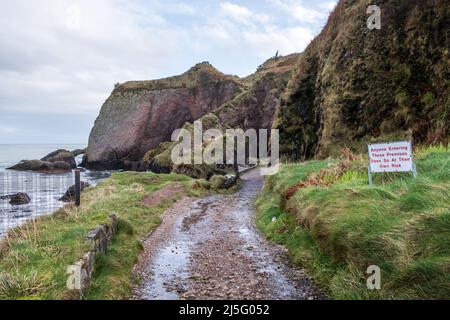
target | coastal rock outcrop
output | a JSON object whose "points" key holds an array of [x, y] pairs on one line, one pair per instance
{"points": [[253, 108], [70, 193], [17, 199], [61, 155], [351, 86], [77, 152], [59, 161], [42, 166], [141, 114]]}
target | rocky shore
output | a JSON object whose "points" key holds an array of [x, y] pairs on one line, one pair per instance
{"points": [[59, 161]]}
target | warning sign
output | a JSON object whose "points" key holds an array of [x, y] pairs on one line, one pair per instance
{"points": [[391, 157]]}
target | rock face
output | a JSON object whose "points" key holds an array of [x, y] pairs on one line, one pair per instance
{"points": [[138, 166], [140, 115], [42, 166], [255, 108], [353, 85], [70, 193], [61, 155], [17, 199], [77, 152]]}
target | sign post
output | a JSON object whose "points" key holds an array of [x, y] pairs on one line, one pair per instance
{"points": [[391, 157]]}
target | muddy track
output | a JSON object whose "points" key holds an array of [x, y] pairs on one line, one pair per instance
{"points": [[210, 249]]}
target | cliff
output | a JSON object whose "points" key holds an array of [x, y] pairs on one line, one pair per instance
{"points": [[255, 107], [141, 114], [349, 87], [353, 85]]}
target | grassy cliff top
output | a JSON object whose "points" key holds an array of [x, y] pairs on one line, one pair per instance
{"points": [[204, 72], [280, 63], [201, 73], [275, 65]]}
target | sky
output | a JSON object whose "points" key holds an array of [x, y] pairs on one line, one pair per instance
{"points": [[60, 59]]}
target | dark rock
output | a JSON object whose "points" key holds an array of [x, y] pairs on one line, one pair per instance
{"points": [[230, 181], [16, 199], [83, 161], [109, 163], [54, 153], [155, 167], [61, 155], [223, 182], [134, 166], [77, 152], [70, 193], [42, 166], [58, 161]]}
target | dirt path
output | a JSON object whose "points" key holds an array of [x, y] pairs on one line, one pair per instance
{"points": [[210, 249]]}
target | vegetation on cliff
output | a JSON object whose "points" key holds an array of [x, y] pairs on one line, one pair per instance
{"points": [[159, 159], [201, 74], [353, 85], [253, 108], [336, 225], [139, 115]]}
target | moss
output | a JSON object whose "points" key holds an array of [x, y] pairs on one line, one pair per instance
{"points": [[217, 182], [159, 159], [161, 148], [349, 80], [428, 100]]}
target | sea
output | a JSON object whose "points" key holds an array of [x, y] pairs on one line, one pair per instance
{"points": [[43, 189]]}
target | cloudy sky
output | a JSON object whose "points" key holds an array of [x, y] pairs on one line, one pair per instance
{"points": [[59, 59]]}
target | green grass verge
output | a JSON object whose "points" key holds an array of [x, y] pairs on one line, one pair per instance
{"points": [[401, 224], [34, 257]]}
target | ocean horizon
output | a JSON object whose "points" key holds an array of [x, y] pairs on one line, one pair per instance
{"points": [[11, 154]]}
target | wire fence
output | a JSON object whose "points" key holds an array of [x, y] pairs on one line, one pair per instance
{"points": [[43, 190]]}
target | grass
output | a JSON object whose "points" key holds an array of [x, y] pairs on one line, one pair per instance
{"points": [[34, 257], [336, 231]]}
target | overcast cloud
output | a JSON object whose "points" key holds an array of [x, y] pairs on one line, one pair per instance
{"points": [[59, 59]]}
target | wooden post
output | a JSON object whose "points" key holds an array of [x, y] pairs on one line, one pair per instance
{"points": [[77, 188], [370, 175], [235, 156]]}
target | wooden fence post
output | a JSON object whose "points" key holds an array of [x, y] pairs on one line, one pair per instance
{"points": [[77, 188]]}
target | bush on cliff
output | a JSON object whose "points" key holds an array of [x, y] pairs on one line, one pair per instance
{"points": [[159, 159], [353, 85]]}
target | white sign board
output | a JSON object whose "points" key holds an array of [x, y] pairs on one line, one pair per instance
{"points": [[391, 157]]}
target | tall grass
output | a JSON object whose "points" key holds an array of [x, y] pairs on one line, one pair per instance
{"points": [[401, 224], [34, 257]]}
